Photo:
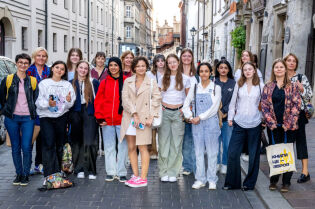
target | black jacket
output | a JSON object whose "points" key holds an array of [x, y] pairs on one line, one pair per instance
{"points": [[8, 105]]}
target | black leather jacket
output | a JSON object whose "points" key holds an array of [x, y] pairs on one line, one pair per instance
{"points": [[8, 105]]}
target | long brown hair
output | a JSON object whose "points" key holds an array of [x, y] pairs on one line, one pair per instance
{"points": [[192, 65], [286, 80], [88, 91], [250, 57], [242, 79], [167, 76], [124, 55], [77, 50], [155, 60]]}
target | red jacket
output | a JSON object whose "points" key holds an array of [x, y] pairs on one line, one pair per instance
{"points": [[106, 103]]}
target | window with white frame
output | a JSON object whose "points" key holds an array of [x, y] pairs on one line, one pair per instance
{"points": [[128, 32], [40, 38], [66, 4], [54, 42], [65, 43], [85, 8], [102, 17], [24, 38], [73, 5], [73, 42], [128, 11]]}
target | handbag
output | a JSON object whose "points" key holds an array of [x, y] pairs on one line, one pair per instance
{"points": [[157, 121], [280, 157], [308, 107]]}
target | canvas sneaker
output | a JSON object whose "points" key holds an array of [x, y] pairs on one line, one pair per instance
{"points": [[223, 169], [92, 177], [186, 173], [212, 186], [198, 185], [164, 179], [132, 179], [24, 181], [17, 180], [172, 179], [139, 182], [80, 175]]}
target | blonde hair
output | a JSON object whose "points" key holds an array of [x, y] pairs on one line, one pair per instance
{"points": [[36, 51], [124, 55]]}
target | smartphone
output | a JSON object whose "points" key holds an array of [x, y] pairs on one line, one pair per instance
{"points": [[101, 120], [141, 126]]}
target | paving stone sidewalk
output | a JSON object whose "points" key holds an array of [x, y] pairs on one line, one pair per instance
{"points": [[98, 194], [300, 196]]}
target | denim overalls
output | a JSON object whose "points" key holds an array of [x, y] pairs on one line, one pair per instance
{"points": [[206, 136]]}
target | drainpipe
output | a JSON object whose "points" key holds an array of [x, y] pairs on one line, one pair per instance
{"points": [[46, 24], [88, 25]]}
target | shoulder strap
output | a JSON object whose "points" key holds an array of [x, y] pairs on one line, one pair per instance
{"points": [[197, 78], [151, 89], [33, 82], [195, 93], [9, 83]]}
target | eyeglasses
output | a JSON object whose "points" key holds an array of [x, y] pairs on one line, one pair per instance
{"points": [[23, 63]]}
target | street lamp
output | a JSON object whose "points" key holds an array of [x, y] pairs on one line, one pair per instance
{"points": [[193, 33], [119, 40]]}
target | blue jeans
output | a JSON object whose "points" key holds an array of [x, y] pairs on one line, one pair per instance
{"points": [[189, 157], [20, 130], [233, 175], [224, 138], [114, 166]]}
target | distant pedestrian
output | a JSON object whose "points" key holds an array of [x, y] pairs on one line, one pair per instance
{"points": [[174, 87], [281, 105], [84, 134], [139, 112], [245, 117], [206, 97], [100, 71], [18, 93], [40, 71], [126, 59], [108, 113], [187, 67], [156, 73], [56, 97], [74, 56], [224, 78]]}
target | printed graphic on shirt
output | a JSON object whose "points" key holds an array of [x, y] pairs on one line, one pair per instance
{"points": [[230, 89], [58, 94]]}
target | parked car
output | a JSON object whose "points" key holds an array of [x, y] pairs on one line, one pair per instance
{"points": [[7, 66]]}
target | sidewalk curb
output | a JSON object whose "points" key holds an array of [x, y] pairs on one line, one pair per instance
{"points": [[271, 199]]}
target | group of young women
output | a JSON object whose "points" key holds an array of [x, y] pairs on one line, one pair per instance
{"points": [[201, 109]]}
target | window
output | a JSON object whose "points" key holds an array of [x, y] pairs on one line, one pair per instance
{"points": [[85, 8], [97, 14], [128, 32], [80, 7], [66, 4], [85, 46], [128, 11], [92, 47], [102, 47], [40, 38], [55, 1], [102, 17], [92, 13], [54, 42], [65, 43], [73, 41], [80, 43], [73, 5], [24, 38]]}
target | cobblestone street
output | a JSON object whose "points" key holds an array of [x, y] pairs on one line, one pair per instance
{"points": [[100, 194]]}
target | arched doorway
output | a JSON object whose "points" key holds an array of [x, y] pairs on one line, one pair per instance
{"points": [[2, 39]]}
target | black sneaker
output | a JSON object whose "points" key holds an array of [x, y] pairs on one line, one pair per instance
{"points": [[122, 179], [303, 178], [109, 178], [17, 180], [24, 181]]}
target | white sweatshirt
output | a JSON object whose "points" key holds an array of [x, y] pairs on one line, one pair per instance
{"points": [[59, 90]]}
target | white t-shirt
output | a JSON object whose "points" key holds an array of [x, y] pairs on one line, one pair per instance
{"points": [[173, 96], [151, 76]]}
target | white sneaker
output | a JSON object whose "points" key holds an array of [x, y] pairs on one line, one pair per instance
{"points": [[45, 182], [164, 179], [223, 169], [198, 185], [212, 186], [92, 177], [245, 157], [81, 175], [186, 173], [172, 179], [218, 167]]}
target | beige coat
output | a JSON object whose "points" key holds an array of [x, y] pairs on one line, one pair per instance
{"points": [[140, 104]]}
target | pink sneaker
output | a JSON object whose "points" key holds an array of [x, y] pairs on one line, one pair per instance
{"points": [[132, 179], [139, 182]]}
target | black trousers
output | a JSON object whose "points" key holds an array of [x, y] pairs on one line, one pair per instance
{"points": [[238, 138], [53, 138], [301, 144], [84, 137], [278, 135]]}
